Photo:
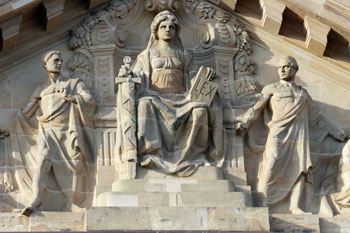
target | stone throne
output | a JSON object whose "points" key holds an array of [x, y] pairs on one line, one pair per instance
{"points": [[216, 39]]}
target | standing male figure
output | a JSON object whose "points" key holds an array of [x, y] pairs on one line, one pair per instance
{"points": [[64, 115], [295, 125]]}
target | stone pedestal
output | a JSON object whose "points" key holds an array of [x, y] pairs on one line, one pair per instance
{"points": [[156, 201]]}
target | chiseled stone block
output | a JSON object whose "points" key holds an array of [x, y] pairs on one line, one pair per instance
{"points": [[294, 223], [213, 199], [57, 221], [337, 224], [172, 199], [239, 219], [184, 218], [202, 173], [13, 222]]}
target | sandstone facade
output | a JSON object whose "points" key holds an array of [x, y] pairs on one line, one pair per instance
{"points": [[191, 169]]}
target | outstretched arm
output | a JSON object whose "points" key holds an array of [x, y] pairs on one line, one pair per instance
{"points": [[253, 113]]}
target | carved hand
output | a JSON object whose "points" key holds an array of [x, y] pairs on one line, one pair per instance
{"points": [[241, 128], [70, 99], [4, 133], [124, 72], [338, 134], [211, 74]]}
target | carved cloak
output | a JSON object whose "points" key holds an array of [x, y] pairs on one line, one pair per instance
{"points": [[173, 131], [295, 141], [66, 129]]}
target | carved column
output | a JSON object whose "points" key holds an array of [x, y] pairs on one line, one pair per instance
{"points": [[104, 73], [104, 70]]}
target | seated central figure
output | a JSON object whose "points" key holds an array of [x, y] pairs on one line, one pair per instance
{"points": [[173, 132]]}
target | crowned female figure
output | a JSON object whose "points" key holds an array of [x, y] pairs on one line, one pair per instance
{"points": [[173, 132]]}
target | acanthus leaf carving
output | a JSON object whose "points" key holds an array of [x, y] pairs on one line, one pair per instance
{"points": [[202, 9], [246, 86], [81, 35], [121, 8]]}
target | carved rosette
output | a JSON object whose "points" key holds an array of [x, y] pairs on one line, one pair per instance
{"points": [[161, 5]]}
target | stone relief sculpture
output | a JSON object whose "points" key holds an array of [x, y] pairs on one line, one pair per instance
{"points": [[51, 142], [156, 123], [295, 130], [173, 131]]}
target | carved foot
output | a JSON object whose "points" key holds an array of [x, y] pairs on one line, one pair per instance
{"points": [[31, 207], [147, 163], [297, 210], [75, 208]]}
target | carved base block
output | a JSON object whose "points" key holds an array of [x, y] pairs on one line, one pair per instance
{"points": [[202, 173], [184, 218], [42, 221], [294, 223], [173, 185], [182, 199]]}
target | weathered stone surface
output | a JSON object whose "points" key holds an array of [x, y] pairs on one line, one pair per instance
{"points": [[294, 223], [239, 219], [57, 221], [167, 218], [13, 222], [173, 185], [204, 173], [337, 224], [181, 199]]}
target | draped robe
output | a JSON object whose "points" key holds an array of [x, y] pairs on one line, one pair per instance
{"points": [[295, 143], [172, 131], [65, 131]]}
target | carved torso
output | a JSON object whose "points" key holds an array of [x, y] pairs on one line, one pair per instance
{"points": [[53, 107], [285, 96], [167, 71]]}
